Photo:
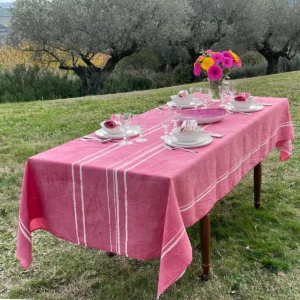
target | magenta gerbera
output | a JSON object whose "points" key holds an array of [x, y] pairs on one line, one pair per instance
{"points": [[214, 72], [227, 54], [217, 57], [227, 62], [197, 69]]}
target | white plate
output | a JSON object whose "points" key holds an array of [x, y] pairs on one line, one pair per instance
{"points": [[191, 105], [103, 134], [253, 108], [201, 142]]}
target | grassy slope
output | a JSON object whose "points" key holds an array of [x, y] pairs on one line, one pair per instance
{"points": [[255, 253]]}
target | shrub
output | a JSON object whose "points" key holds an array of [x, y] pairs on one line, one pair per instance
{"points": [[249, 71], [28, 84], [285, 65]]}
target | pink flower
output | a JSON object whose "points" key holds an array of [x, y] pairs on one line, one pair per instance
{"points": [[227, 62], [209, 51], [214, 72], [110, 124], [217, 57], [227, 54], [197, 69]]}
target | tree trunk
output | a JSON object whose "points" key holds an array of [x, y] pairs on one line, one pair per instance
{"points": [[272, 64], [90, 78]]}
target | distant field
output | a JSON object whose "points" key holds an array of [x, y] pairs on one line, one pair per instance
{"points": [[5, 16]]}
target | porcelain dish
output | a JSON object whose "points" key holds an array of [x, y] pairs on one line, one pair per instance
{"points": [[182, 100], [204, 116], [204, 140], [253, 108], [187, 136], [103, 134], [242, 104], [112, 131]]}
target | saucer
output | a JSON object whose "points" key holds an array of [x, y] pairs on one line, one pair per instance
{"points": [[204, 140], [103, 134], [191, 105], [253, 108]]}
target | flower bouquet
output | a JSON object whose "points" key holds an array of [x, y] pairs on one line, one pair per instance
{"points": [[216, 65]]}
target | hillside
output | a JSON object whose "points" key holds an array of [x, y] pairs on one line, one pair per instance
{"points": [[5, 16]]}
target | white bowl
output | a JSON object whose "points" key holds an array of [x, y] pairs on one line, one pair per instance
{"points": [[188, 136], [116, 130], [182, 101], [242, 104]]}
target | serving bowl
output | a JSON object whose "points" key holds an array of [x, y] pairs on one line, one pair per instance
{"points": [[182, 100], [116, 130], [242, 104], [187, 137]]}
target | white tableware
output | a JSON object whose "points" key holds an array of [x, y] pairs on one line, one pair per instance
{"points": [[191, 105], [187, 100], [253, 108], [112, 131], [133, 131], [204, 116], [242, 104], [204, 140], [187, 136]]}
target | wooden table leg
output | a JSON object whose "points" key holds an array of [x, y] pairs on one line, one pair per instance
{"points": [[205, 246], [257, 184]]}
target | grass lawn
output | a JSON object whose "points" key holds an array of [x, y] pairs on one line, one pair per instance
{"points": [[255, 253]]}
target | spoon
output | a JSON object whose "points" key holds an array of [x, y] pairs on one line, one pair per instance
{"points": [[92, 138]]}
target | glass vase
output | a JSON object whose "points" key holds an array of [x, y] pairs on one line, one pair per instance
{"points": [[214, 86]]}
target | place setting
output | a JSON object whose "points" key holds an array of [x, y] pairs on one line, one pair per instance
{"points": [[184, 99], [120, 127]]}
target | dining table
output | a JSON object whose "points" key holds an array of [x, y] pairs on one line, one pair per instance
{"points": [[138, 200]]}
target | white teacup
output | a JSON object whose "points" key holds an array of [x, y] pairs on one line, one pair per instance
{"points": [[242, 104], [116, 130], [187, 137], [182, 100]]}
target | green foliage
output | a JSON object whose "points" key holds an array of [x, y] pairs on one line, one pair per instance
{"points": [[28, 84], [252, 58], [285, 65], [126, 82], [249, 71]]}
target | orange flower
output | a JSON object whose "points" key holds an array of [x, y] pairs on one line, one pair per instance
{"points": [[206, 63]]}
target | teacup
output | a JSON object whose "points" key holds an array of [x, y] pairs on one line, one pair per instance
{"points": [[182, 100], [116, 130], [187, 137], [242, 104]]}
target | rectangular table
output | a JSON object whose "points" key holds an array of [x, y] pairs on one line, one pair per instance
{"points": [[138, 200]]}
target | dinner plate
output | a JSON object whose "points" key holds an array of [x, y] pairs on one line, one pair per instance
{"points": [[253, 108], [191, 105], [204, 116], [103, 134], [204, 140]]}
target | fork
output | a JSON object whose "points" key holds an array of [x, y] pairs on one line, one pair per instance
{"points": [[93, 138], [179, 148]]}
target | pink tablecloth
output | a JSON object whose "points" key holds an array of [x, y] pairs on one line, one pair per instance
{"points": [[137, 200]]}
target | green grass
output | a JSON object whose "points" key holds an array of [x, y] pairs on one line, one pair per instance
{"points": [[255, 253]]}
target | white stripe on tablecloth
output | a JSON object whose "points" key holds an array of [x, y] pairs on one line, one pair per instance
{"points": [[115, 175], [171, 240], [24, 233], [173, 245], [24, 227], [231, 170], [73, 186], [107, 191], [126, 198]]}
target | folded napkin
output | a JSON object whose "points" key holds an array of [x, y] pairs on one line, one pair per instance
{"points": [[183, 94], [188, 126], [242, 96], [111, 124]]}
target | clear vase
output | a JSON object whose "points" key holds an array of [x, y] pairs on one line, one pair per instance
{"points": [[214, 86]]}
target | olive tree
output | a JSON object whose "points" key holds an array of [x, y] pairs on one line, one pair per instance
{"points": [[72, 32], [279, 31], [215, 22]]}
